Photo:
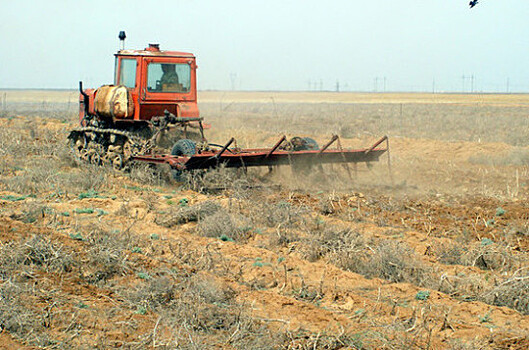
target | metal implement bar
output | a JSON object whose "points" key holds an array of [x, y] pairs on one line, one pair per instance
{"points": [[207, 160], [370, 149], [204, 161], [276, 146], [334, 138], [218, 155], [173, 119], [266, 157], [185, 119]]}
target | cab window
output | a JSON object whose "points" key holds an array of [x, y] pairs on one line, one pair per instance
{"points": [[127, 74], [168, 77]]}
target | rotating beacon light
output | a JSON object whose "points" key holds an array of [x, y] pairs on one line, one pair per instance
{"points": [[122, 37]]}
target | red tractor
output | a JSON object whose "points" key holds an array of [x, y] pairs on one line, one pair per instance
{"points": [[152, 108], [154, 92]]}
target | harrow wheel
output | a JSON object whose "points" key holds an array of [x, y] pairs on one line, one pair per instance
{"points": [[302, 144], [310, 144], [183, 147]]}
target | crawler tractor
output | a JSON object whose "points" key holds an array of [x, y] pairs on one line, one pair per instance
{"points": [[142, 111], [150, 114]]}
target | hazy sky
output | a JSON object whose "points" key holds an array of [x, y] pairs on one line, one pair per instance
{"points": [[275, 44]]}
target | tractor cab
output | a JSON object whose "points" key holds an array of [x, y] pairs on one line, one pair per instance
{"points": [[158, 81], [148, 83]]}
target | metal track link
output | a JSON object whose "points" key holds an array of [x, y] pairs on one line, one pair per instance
{"points": [[116, 152]]}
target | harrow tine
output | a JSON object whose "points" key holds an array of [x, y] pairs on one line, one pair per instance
{"points": [[334, 138], [201, 128], [345, 164], [224, 148], [276, 146], [370, 149], [389, 162]]}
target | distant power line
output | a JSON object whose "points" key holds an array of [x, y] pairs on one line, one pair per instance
{"points": [[464, 83]]}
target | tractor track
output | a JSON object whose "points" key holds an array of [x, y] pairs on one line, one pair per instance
{"points": [[106, 146]]}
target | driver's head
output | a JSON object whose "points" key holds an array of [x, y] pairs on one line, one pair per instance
{"points": [[166, 68]]}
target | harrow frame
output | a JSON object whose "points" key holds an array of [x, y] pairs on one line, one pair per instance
{"points": [[251, 157]]}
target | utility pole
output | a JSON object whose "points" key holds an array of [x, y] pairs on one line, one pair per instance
{"points": [[384, 84], [337, 86], [472, 83], [375, 87], [233, 77], [463, 83]]}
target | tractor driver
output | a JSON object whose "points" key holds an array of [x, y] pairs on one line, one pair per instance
{"points": [[169, 74]]}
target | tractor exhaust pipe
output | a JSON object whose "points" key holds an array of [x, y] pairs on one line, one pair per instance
{"points": [[86, 100]]}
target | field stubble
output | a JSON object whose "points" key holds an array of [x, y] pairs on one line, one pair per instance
{"points": [[435, 259]]}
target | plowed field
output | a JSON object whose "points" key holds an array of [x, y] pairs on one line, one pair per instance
{"points": [[431, 253]]}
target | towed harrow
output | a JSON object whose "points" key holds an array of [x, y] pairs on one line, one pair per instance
{"points": [[153, 105], [282, 153]]}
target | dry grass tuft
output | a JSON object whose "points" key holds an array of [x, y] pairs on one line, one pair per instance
{"points": [[15, 314], [41, 251], [42, 176], [18, 293], [150, 174], [345, 248], [186, 214], [486, 255], [198, 312], [224, 225], [390, 260], [17, 259], [106, 254], [512, 292], [238, 181], [303, 339], [157, 292], [281, 214], [397, 262]]}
